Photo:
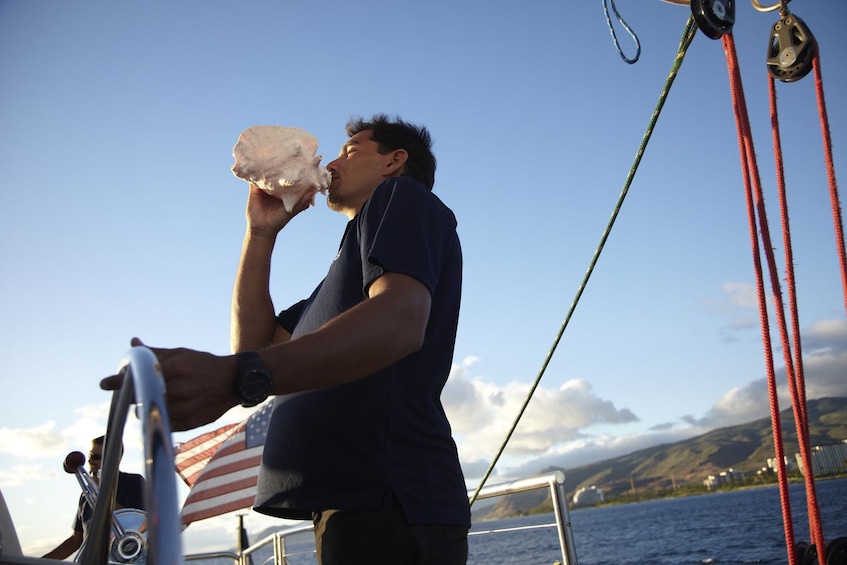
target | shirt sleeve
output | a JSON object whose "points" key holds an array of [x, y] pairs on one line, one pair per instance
{"points": [[404, 228], [289, 317]]}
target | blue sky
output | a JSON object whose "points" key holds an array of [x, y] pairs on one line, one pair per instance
{"points": [[119, 215]]}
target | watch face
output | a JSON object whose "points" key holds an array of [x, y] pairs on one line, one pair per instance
{"points": [[253, 382], [254, 387]]}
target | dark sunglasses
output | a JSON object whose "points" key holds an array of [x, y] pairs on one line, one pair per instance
{"points": [[95, 456]]}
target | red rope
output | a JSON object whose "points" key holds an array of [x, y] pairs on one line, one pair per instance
{"points": [[796, 379], [793, 367], [830, 172], [752, 186]]}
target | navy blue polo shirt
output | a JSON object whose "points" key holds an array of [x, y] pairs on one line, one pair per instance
{"points": [[342, 447]]}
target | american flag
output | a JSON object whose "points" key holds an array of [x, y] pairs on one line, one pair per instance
{"points": [[222, 467]]}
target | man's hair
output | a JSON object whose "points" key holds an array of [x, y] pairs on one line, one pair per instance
{"points": [[101, 440], [398, 134]]}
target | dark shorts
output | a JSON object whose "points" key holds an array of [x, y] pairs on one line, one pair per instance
{"points": [[383, 537]]}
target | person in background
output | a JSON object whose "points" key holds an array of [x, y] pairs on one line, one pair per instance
{"points": [[358, 440], [130, 494]]}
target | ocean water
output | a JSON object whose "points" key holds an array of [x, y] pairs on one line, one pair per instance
{"points": [[728, 528]]}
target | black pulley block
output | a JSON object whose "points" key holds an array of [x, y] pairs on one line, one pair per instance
{"points": [[836, 552], [807, 554], [714, 17], [792, 49]]}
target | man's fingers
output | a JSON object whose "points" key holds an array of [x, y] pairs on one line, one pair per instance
{"points": [[112, 383], [115, 381]]}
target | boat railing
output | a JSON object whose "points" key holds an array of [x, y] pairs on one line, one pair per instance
{"points": [[212, 556], [555, 482], [276, 541]]}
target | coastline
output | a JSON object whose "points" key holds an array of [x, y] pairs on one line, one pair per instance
{"points": [[681, 492]]}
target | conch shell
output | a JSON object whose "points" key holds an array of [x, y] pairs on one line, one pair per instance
{"points": [[282, 162]]}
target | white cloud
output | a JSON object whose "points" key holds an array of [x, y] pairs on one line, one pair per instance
{"points": [[824, 368], [589, 450], [742, 295], [46, 441], [739, 304], [20, 474], [34, 443], [826, 334], [482, 414], [567, 443]]}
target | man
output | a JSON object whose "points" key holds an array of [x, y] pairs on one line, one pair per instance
{"points": [[129, 494], [358, 440]]}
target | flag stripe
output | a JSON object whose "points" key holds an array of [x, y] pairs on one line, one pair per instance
{"points": [[232, 464], [222, 467], [202, 443], [218, 508], [200, 505], [220, 484], [212, 493], [192, 456]]}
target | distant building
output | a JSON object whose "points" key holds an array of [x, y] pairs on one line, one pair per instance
{"points": [[827, 459], [790, 464], [728, 477], [588, 496]]}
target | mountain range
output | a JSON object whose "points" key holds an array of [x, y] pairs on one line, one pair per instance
{"points": [[745, 448]]}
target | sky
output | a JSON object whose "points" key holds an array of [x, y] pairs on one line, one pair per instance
{"points": [[120, 216]]}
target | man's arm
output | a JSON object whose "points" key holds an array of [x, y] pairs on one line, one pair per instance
{"points": [[386, 327], [253, 322], [66, 548], [379, 331]]}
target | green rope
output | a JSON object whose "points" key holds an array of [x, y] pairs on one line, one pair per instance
{"points": [[687, 38]]}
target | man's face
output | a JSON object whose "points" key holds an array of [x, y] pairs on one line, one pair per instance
{"points": [[357, 171], [95, 457]]}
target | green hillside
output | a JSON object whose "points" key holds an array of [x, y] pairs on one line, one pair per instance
{"points": [[745, 447]]}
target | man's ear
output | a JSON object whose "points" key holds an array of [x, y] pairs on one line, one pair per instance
{"points": [[395, 166]]}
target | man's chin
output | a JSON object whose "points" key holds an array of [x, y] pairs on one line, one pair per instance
{"points": [[333, 202]]}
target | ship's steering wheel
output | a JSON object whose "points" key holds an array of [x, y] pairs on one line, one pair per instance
{"points": [[117, 537]]}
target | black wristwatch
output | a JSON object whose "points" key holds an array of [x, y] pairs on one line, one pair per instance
{"points": [[253, 382]]}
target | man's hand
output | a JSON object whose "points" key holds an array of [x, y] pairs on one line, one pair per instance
{"points": [[199, 387], [266, 214]]}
